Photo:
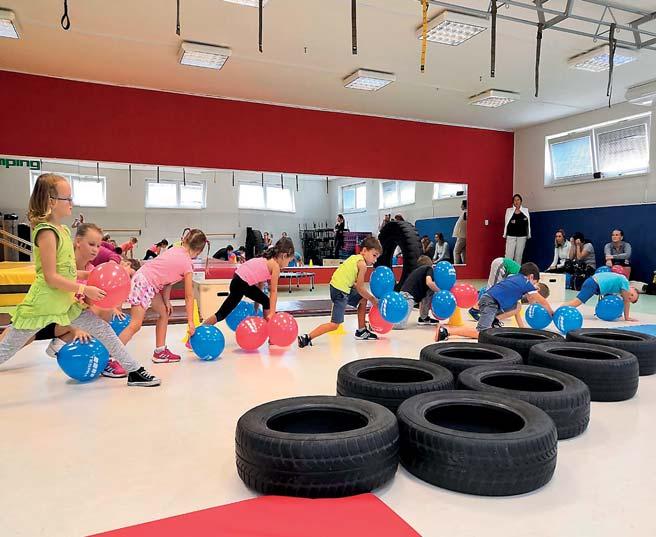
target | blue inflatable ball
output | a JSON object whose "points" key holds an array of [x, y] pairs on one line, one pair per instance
{"points": [[481, 292], [207, 342], [444, 275], [567, 318], [393, 307], [603, 269], [382, 282], [443, 304], [609, 308], [118, 325], [242, 310], [537, 316], [83, 361]]}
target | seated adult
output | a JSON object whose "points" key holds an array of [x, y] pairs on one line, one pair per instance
{"points": [[223, 253], [442, 249], [581, 263], [561, 252], [618, 252], [427, 247]]}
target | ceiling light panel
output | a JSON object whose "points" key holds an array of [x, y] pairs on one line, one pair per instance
{"points": [[8, 24], [249, 3], [208, 56], [597, 59], [493, 98], [451, 28], [366, 80]]}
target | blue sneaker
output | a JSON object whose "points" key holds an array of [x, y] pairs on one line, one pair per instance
{"points": [[475, 313]]}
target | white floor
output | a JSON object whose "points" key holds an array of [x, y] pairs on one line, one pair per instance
{"points": [[78, 459]]}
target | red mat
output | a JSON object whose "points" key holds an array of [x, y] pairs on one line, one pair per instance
{"points": [[279, 516]]}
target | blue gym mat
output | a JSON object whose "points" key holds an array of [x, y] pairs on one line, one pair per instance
{"points": [[649, 329]]}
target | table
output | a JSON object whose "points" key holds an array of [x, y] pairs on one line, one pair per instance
{"points": [[298, 275]]}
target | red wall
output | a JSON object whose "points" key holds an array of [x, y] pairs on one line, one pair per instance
{"points": [[48, 117]]}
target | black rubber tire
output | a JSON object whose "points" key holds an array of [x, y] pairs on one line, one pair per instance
{"points": [[512, 452], [564, 397], [390, 381], [642, 345], [457, 357], [611, 374], [404, 235], [294, 447], [517, 339], [254, 243]]}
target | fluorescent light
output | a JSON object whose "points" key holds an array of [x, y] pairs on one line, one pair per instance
{"points": [[8, 24], [597, 59], [366, 80], [198, 55], [493, 98], [451, 28], [642, 94], [249, 3]]}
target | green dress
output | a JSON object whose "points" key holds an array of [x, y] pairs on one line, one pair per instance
{"points": [[43, 304]]}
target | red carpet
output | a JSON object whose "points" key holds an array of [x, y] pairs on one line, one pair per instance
{"points": [[278, 516]]}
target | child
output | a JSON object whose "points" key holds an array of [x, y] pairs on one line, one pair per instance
{"points": [[347, 287], [500, 269], [51, 298], [128, 247], [607, 283], [419, 287], [503, 300], [248, 277], [151, 287], [156, 249]]}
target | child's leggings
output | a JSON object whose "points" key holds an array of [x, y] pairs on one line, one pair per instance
{"points": [[238, 289]]}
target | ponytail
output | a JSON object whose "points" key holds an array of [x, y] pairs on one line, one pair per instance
{"points": [[283, 246]]}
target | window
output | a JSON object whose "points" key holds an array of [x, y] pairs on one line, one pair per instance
{"points": [[88, 190], [443, 191], [267, 198], [609, 150], [396, 193], [354, 198], [175, 194]]}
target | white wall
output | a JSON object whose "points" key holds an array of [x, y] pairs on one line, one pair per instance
{"points": [[530, 160]]}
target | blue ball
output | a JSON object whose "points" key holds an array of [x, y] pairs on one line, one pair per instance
{"points": [[537, 316], [83, 361], [443, 304], [382, 282], [567, 318], [481, 292], [207, 342], [603, 269], [444, 275], [242, 310], [393, 307], [609, 308], [118, 325]]}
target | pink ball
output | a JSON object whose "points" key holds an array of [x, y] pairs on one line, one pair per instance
{"points": [[251, 333], [617, 269], [114, 280], [283, 329], [465, 293], [378, 324]]}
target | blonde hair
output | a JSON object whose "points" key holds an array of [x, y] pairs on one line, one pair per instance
{"points": [[44, 189], [83, 229]]}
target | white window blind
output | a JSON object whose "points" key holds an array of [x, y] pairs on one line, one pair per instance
{"points": [[87, 190], [354, 197], [175, 194]]}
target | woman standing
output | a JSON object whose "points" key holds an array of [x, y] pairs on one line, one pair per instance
{"points": [[517, 229], [339, 234], [460, 234]]}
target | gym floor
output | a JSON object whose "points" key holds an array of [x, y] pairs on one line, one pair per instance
{"points": [[79, 459]]}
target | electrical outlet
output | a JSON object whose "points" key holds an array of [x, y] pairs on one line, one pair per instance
{"points": [[487, 222]]}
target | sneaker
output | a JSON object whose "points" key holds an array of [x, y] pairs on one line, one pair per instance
{"points": [[141, 377], [114, 370], [54, 347], [304, 341], [427, 321], [188, 345], [475, 313], [441, 334], [365, 333], [165, 357], [497, 323]]}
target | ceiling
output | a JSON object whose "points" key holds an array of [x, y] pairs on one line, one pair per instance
{"points": [[307, 53]]}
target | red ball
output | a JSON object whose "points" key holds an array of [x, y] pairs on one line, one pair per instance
{"points": [[466, 294], [251, 333], [283, 329], [114, 280], [617, 269], [378, 324]]}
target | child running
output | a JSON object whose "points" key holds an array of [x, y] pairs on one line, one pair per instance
{"points": [[607, 283], [51, 298], [250, 275], [347, 287], [151, 288]]}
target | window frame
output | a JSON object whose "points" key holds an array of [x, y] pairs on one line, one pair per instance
{"points": [[397, 182], [266, 200], [354, 187], [179, 185], [436, 187], [70, 177]]}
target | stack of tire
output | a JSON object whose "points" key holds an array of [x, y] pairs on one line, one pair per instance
{"points": [[404, 235]]}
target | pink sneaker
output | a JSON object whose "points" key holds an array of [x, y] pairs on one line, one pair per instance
{"points": [[114, 370], [165, 357], [188, 345]]}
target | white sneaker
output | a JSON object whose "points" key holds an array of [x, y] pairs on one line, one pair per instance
{"points": [[54, 347]]}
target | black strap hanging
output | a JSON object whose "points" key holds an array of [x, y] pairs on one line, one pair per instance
{"points": [[538, 49], [424, 31], [177, 17], [260, 25], [184, 177], [233, 177], [327, 185], [65, 20], [282, 184], [130, 174], [493, 44], [262, 179], [97, 171], [612, 45], [354, 28], [296, 182], [158, 174]]}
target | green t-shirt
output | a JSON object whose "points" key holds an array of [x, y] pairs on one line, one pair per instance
{"points": [[511, 266]]}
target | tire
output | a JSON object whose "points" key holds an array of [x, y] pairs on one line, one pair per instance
{"points": [[564, 397], [457, 357], [517, 339], [317, 447], [477, 443], [390, 381], [611, 374], [404, 235], [642, 345]]}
